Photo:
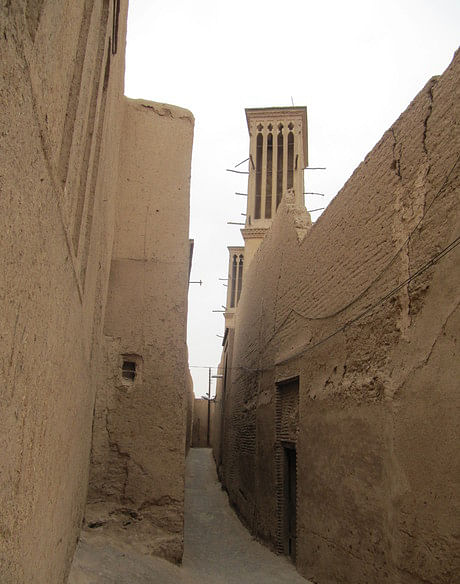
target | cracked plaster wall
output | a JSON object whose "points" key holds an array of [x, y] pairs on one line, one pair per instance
{"points": [[139, 439], [60, 99], [63, 118], [377, 440]]}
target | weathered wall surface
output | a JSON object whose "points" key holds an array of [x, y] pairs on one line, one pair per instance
{"points": [[137, 472], [219, 413], [190, 398], [355, 311], [60, 89], [200, 423]]}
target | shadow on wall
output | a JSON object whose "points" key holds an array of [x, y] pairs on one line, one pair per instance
{"points": [[202, 413]]}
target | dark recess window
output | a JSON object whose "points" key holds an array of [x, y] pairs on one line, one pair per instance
{"points": [[240, 278], [116, 16], [128, 370], [290, 176], [259, 147], [233, 282], [279, 174], [268, 194]]}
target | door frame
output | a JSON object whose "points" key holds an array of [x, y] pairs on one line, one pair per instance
{"points": [[284, 443]]}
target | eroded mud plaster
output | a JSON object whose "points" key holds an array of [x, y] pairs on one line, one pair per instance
{"points": [[363, 311], [93, 230]]}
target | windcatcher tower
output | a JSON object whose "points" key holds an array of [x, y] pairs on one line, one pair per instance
{"points": [[235, 283], [278, 154]]}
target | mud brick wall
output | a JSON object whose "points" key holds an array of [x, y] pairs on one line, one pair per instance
{"points": [[363, 308], [140, 425], [61, 90]]}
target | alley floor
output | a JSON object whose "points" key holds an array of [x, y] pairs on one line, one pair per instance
{"points": [[218, 549]]}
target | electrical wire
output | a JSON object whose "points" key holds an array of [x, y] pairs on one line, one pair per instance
{"points": [[434, 260], [381, 300], [379, 275]]}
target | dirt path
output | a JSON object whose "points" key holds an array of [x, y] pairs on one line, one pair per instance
{"points": [[218, 549]]}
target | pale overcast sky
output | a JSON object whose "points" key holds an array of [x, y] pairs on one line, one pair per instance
{"points": [[356, 65]]}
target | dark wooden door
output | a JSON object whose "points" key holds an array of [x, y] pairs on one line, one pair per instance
{"points": [[291, 501]]}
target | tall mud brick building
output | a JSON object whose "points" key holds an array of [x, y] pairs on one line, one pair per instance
{"points": [[335, 427], [94, 252]]}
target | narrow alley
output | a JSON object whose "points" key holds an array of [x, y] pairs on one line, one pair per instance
{"points": [[299, 340], [218, 549]]}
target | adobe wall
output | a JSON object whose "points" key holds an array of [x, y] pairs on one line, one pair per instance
{"points": [[139, 442], [200, 423], [219, 412], [216, 429], [377, 359], [56, 231], [189, 412]]}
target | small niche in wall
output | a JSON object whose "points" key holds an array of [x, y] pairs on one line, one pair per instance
{"points": [[130, 368]]}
